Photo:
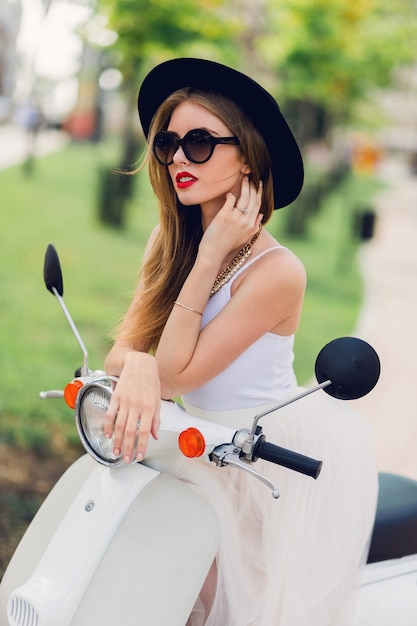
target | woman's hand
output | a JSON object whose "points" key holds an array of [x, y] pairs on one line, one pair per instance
{"points": [[134, 407], [236, 222]]}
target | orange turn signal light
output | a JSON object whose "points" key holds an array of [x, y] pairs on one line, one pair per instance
{"points": [[71, 391], [191, 443]]}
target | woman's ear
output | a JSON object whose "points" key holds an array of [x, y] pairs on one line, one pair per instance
{"points": [[245, 169]]}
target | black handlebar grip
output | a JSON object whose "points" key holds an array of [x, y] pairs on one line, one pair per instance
{"points": [[292, 460]]}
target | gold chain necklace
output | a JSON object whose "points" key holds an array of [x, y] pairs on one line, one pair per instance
{"points": [[235, 264]]}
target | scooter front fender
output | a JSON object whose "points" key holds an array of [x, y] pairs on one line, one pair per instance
{"points": [[132, 547]]}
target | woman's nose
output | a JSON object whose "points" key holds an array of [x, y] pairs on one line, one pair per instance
{"points": [[179, 156]]}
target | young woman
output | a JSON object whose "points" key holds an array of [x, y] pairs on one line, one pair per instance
{"points": [[217, 305]]}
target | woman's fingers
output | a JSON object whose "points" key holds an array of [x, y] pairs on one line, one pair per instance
{"points": [[145, 428], [250, 200], [132, 428], [133, 412], [245, 193], [118, 433], [125, 439], [110, 417]]}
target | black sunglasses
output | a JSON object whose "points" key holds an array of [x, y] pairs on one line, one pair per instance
{"points": [[198, 145]]}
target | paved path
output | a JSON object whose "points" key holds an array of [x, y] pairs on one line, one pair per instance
{"points": [[389, 322]]}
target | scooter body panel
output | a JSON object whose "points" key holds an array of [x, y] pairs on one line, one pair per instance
{"points": [[388, 593], [44, 524], [157, 562], [114, 554]]}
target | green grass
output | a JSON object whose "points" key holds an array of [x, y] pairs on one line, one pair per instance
{"points": [[37, 348], [58, 204]]}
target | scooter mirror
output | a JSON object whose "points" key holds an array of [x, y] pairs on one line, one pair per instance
{"points": [[52, 274], [53, 280], [351, 364]]}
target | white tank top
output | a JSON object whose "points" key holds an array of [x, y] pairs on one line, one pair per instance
{"points": [[262, 374]]}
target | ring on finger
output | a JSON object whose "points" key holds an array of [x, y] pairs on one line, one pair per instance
{"points": [[138, 425], [244, 211]]}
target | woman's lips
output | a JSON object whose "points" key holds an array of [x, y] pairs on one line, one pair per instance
{"points": [[184, 180]]}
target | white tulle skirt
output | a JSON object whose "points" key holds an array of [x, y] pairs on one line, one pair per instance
{"points": [[294, 561]]}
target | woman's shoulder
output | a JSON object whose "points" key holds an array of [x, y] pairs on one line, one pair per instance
{"points": [[272, 267], [273, 283], [151, 241], [274, 255]]}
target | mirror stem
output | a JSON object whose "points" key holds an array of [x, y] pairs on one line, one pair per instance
{"points": [[84, 369], [275, 407]]}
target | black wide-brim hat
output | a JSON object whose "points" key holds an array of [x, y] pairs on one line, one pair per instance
{"points": [[256, 102]]}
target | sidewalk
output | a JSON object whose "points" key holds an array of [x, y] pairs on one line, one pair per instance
{"points": [[389, 322], [14, 144]]}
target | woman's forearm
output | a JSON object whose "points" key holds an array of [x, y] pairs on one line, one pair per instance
{"points": [[179, 338], [116, 358], [225, 234]]}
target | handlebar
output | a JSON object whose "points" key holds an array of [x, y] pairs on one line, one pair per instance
{"points": [[52, 393], [287, 458]]}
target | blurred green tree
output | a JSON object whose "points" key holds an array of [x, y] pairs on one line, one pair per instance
{"points": [[328, 55], [332, 54], [150, 31]]}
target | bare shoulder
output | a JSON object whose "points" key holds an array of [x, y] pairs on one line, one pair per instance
{"points": [[288, 263], [153, 236], [275, 269], [272, 289], [151, 241], [280, 266]]}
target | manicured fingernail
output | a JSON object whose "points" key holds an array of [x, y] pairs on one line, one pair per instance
{"points": [[139, 457], [126, 459], [116, 451]]}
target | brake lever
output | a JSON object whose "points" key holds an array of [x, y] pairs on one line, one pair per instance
{"points": [[228, 454]]}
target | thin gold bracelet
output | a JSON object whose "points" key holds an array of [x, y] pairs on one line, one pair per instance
{"points": [[184, 306]]}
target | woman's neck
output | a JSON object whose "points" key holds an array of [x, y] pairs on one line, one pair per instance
{"points": [[208, 213]]}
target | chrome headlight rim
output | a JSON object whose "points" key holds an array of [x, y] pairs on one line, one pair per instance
{"points": [[104, 386]]}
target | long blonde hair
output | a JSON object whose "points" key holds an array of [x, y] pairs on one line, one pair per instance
{"points": [[174, 250]]}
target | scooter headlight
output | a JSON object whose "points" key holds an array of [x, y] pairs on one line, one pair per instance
{"points": [[93, 400]]}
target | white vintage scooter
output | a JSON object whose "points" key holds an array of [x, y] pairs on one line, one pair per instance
{"points": [[108, 531]]}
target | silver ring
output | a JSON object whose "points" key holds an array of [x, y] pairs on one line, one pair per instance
{"points": [[138, 425], [244, 211]]}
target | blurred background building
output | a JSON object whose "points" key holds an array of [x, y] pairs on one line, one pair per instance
{"points": [[10, 21]]}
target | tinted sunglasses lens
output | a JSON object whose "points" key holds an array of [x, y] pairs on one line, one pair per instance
{"points": [[198, 146], [164, 147]]}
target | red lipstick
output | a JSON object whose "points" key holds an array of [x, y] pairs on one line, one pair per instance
{"points": [[184, 180]]}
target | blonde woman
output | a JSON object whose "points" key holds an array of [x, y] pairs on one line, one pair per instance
{"points": [[213, 321]]}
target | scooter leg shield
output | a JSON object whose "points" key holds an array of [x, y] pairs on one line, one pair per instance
{"points": [[146, 568], [153, 570], [38, 535]]}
